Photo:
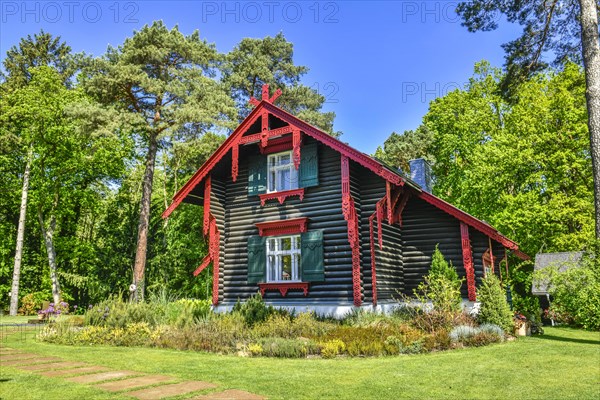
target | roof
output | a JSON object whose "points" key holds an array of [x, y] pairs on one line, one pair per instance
{"points": [[388, 173], [562, 261]]}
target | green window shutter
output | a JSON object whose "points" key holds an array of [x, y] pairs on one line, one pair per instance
{"points": [[312, 256], [309, 165], [257, 175], [257, 259]]}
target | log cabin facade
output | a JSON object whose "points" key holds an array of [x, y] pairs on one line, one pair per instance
{"points": [[312, 223]]}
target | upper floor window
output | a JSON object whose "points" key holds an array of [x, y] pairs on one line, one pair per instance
{"points": [[281, 174]]}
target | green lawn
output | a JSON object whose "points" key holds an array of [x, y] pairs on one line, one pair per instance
{"points": [[19, 319], [563, 364]]}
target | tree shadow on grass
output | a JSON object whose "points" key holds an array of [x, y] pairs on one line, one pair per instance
{"points": [[566, 339]]}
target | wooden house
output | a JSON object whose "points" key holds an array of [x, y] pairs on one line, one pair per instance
{"points": [[311, 222]]}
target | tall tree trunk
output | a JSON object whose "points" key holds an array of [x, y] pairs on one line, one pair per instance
{"points": [[142, 240], [47, 235], [591, 61], [14, 293]]}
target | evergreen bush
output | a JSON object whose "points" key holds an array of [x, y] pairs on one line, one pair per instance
{"points": [[494, 308]]}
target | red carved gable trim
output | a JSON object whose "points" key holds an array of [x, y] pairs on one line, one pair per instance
{"points": [[282, 227], [468, 261], [264, 108]]}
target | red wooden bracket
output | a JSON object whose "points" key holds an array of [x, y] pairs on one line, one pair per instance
{"points": [[281, 196], [401, 204], [253, 101], [283, 287], [265, 92], [468, 261], [275, 96], [264, 133], [296, 142], [207, 190], [235, 151], [282, 227], [350, 215], [207, 260]]}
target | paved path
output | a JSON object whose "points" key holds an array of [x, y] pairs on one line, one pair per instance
{"points": [[138, 385]]}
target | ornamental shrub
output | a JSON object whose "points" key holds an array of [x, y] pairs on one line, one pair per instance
{"points": [[255, 310], [332, 348], [576, 291], [462, 332], [441, 286], [494, 308]]}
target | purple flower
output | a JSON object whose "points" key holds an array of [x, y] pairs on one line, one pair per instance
{"points": [[75, 307], [58, 312], [51, 304]]}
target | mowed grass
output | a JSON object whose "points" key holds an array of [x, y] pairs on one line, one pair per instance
{"points": [[19, 319], [563, 364]]}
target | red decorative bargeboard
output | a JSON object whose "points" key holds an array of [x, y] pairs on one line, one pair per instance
{"points": [[468, 261], [283, 287], [349, 212], [214, 242]]}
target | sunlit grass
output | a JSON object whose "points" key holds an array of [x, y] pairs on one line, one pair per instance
{"points": [[563, 364]]}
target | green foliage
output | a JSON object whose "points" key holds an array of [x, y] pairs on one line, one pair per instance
{"points": [[576, 291], [332, 348], [254, 62], [117, 313], [254, 310], [546, 29], [523, 166], [287, 348], [494, 309], [441, 285], [31, 303]]}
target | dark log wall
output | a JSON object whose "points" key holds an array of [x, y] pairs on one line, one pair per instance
{"points": [[424, 226], [400, 265], [388, 260], [321, 204], [480, 243]]}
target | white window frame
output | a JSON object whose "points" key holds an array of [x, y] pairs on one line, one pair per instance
{"points": [[278, 168], [275, 272]]}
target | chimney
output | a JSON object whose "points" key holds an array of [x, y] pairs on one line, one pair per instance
{"points": [[420, 173]]}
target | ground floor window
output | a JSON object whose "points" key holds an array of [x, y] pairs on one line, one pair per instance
{"points": [[283, 258]]}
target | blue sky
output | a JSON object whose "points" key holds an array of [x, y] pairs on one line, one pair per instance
{"points": [[378, 63]]}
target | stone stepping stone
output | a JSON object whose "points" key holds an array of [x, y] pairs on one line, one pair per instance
{"points": [[50, 366], [176, 389], [16, 356], [134, 383], [8, 350], [75, 371], [29, 361], [232, 394], [103, 376]]}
